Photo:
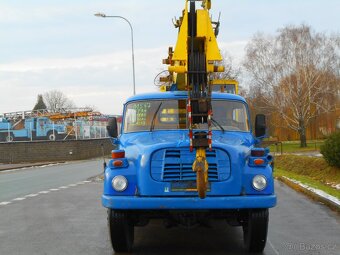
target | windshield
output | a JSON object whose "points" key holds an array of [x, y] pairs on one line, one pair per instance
{"points": [[172, 114]]}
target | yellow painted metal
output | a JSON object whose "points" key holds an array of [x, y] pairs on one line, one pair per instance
{"points": [[200, 166], [178, 59], [219, 69], [221, 82], [162, 88], [206, 4], [204, 43], [205, 31], [181, 49], [177, 69]]}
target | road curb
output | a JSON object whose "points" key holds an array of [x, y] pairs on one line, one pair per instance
{"points": [[27, 166], [310, 194]]}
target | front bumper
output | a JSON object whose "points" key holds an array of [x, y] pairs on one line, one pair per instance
{"points": [[184, 203]]}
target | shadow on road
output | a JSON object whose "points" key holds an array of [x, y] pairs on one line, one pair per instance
{"points": [[221, 239]]}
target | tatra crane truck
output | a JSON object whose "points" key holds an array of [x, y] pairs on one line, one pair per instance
{"points": [[188, 155]]}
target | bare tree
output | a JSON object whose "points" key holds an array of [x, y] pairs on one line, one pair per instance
{"points": [[57, 101], [295, 73]]}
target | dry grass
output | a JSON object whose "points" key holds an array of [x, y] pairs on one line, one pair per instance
{"points": [[315, 168], [312, 171]]}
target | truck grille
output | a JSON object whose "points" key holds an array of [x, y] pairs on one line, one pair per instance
{"points": [[176, 165]]}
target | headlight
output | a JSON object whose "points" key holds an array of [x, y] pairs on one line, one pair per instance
{"points": [[119, 183], [259, 182]]}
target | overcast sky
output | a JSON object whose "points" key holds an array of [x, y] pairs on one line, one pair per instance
{"points": [[59, 44]]}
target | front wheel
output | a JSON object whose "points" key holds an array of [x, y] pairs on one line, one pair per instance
{"points": [[121, 230], [9, 138], [52, 136], [255, 230]]}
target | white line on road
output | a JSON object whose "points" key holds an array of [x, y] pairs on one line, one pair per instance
{"points": [[5, 203], [44, 192], [32, 195], [272, 246], [19, 199]]}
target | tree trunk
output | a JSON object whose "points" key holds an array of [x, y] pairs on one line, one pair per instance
{"points": [[303, 142], [302, 133]]}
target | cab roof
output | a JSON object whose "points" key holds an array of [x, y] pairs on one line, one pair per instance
{"points": [[181, 95]]}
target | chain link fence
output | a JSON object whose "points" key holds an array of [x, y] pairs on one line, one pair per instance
{"points": [[43, 129]]}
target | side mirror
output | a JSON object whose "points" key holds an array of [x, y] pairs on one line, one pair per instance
{"points": [[112, 127], [260, 125]]}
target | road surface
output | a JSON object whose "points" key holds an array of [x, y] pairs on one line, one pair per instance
{"points": [[57, 210]]}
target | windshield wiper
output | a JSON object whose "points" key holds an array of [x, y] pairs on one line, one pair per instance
{"points": [[154, 117], [217, 124]]}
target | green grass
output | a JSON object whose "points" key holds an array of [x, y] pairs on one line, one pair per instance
{"points": [[294, 146], [314, 167], [308, 181], [312, 171]]}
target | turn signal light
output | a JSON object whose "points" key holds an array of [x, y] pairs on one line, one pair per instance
{"points": [[118, 154], [258, 161]]}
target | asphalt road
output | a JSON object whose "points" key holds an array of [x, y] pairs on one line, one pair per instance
{"points": [[69, 219], [21, 182]]}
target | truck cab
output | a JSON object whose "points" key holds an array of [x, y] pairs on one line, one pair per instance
{"points": [[45, 128], [150, 175]]}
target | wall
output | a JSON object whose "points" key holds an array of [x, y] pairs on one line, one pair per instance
{"points": [[49, 151]]}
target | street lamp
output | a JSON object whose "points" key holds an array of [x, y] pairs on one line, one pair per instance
{"points": [[133, 54]]}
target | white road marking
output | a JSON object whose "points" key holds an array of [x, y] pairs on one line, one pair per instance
{"points": [[32, 195], [44, 192], [19, 199], [272, 246], [5, 203]]}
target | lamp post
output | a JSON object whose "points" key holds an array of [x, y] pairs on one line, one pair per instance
{"points": [[133, 54]]}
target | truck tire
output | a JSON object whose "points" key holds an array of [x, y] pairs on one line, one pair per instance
{"points": [[9, 138], [121, 230], [255, 229], [52, 136]]}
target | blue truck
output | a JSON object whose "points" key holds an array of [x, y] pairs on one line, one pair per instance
{"points": [[188, 154], [150, 174], [39, 128]]}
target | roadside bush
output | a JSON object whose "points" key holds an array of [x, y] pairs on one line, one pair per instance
{"points": [[331, 149]]}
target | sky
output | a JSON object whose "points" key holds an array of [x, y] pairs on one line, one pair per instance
{"points": [[61, 45]]}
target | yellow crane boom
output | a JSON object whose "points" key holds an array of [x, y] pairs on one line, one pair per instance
{"points": [[191, 67]]}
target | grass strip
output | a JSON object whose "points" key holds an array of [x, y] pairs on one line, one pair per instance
{"points": [[278, 172], [313, 167]]}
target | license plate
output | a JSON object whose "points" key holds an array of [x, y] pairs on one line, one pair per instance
{"points": [[185, 186]]}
